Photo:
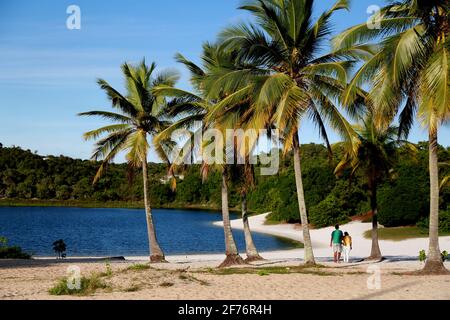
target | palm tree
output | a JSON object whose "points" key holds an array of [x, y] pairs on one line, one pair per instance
{"points": [[409, 75], [190, 108], [140, 114], [288, 78], [244, 178], [375, 155]]}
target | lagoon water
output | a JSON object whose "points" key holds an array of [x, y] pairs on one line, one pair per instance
{"points": [[119, 232]]}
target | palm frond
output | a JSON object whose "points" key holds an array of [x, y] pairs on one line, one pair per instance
{"points": [[94, 134], [361, 33], [116, 117], [117, 99]]}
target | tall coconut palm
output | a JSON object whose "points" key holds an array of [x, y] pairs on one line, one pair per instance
{"points": [[191, 108], [375, 155], [409, 74], [140, 115], [290, 78], [243, 176]]}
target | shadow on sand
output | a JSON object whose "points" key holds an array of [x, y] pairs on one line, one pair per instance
{"points": [[11, 263]]}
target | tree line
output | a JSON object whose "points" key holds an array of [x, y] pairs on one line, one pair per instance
{"points": [[404, 198]]}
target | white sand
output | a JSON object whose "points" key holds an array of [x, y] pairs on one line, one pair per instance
{"points": [[404, 250], [32, 279]]}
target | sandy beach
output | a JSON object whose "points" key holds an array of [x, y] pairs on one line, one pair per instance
{"points": [[279, 277], [394, 250]]}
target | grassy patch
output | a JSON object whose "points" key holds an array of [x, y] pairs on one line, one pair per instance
{"points": [[269, 222], [401, 233], [139, 267], [291, 242], [105, 204], [317, 270], [88, 286], [70, 203], [108, 270]]}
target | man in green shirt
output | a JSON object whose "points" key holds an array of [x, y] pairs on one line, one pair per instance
{"points": [[336, 243]]}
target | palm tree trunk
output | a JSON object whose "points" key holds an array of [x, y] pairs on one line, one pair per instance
{"points": [[309, 254], [156, 254], [375, 252], [434, 263], [231, 251], [252, 252]]}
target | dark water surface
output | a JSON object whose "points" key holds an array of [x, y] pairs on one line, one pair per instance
{"points": [[118, 232]]}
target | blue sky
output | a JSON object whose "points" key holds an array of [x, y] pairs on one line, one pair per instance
{"points": [[48, 73]]}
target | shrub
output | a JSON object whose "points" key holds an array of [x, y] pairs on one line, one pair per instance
{"points": [[444, 221], [405, 200], [160, 194], [329, 212], [277, 194], [345, 200], [88, 286], [422, 255], [109, 270], [13, 253]]}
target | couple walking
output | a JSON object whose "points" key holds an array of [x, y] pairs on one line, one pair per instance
{"points": [[341, 243]]}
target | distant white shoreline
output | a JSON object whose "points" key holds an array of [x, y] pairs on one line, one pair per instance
{"points": [[407, 249], [394, 250]]}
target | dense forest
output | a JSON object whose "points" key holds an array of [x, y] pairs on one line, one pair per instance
{"points": [[403, 197]]}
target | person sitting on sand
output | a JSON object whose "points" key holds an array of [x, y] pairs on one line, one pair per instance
{"points": [[336, 243], [348, 246]]}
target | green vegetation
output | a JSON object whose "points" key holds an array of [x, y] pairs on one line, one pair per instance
{"points": [[28, 179], [422, 255], [266, 271], [13, 253], [403, 197], [139, 267], [291, 242], [397, 205], [374, 157], [129, 279], [402, 233], [444, 222], [7, 252], [88, 286], [109, 271], [97, 204], [329, 212]]}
